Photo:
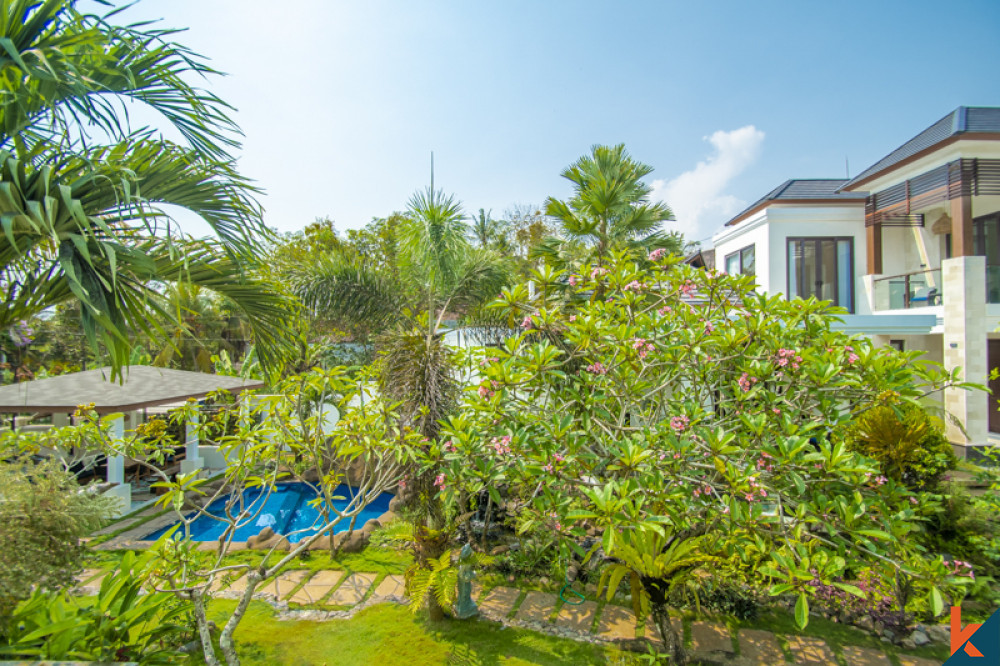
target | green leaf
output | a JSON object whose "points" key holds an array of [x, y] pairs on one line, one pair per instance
{"points": [[802, 611], [850, 589], [937, 602]]}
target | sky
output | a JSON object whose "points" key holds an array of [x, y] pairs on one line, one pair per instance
{"points": [[342, 103]]}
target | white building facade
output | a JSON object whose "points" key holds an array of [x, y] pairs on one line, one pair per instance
{"points": [[910, 248]]}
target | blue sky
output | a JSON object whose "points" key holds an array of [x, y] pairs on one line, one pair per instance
{"points": [[342, 102]]}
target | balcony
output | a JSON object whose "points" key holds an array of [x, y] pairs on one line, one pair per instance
{"points": [[993, 284], [917, 289]]}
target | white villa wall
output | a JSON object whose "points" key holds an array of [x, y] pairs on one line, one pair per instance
{"points": [[770, 229]]}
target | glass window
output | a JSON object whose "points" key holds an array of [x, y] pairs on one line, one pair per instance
{"points": [[742, 262], [822, 267], [747, 261], [733, 263]]}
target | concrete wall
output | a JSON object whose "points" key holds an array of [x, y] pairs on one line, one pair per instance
{"points": [[769, 231]]}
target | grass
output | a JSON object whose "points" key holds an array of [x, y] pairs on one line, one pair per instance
{"points": [[390, 635]]}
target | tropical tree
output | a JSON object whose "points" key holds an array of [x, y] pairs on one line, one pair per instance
{"points": [[439, 275], [610, 210], [683, 433], [82, 219]]}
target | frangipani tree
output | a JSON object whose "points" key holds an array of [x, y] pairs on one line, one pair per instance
{"points": [[688, 419]]}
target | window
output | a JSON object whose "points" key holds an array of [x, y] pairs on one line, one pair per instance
{"points": [[986, 238], [742, 262], [898, 345], [822, 267]]}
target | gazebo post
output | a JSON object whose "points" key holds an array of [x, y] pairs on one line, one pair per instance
{"points": [[116, 468], [192, 460]]}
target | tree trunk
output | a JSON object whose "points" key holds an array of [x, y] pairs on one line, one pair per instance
{"points": [[226, 642], [673, 643], [434, 610], [207, 648]]}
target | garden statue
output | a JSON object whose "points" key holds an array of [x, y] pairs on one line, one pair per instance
{"points": [[465, 607]]}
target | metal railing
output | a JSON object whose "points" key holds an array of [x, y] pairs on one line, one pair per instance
{"points": [[919, 289]]}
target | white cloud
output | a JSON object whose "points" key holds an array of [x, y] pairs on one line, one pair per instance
{"points": [[697, 196]]}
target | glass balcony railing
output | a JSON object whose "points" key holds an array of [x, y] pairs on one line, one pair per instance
{"points": [[993, 284], [919, 289]]}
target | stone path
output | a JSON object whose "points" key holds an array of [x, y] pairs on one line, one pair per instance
{"points": [[546, 612], [316, 587]]}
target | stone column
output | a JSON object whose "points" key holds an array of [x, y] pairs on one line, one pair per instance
{"points": [[965, 347]]}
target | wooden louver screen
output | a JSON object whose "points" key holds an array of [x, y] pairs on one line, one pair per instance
{"points": [[893, 206]]}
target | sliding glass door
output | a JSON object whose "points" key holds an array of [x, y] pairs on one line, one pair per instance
{"points": [[822, 267]]}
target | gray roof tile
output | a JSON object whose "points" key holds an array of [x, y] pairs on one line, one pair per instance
{"points": [[961, 120], [803, 189]]}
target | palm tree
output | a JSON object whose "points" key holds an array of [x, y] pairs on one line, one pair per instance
{"points": [[440, 274], [610, 210], [83, 220]]}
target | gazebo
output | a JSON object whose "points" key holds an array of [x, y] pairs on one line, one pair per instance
{"points": [[142, 387]]}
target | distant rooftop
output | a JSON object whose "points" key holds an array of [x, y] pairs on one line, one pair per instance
{"points": [[144, 386], [964, 119], [802, 190]]}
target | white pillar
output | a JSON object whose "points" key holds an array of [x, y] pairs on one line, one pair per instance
{"points": [[116, 464], [965, 346], [60, 420], [192, 459]]}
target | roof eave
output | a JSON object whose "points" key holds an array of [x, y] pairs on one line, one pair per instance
{"points": [[855, 184], [823, 202]]}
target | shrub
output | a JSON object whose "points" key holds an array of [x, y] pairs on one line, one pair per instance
{"points": [[124, 623], [908, 443], [43, 514]]}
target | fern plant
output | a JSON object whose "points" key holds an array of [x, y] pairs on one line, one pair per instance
{"points": [[656, 563], [439, 581]]}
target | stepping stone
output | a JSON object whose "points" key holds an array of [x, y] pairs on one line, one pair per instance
{"points": [[616, 623], [352, 590], [89, 580], [760, 647], [858, 656], [499, 601], [316, 587], [283, 583], [907, 660], [391, 586], [810, 651], [219, 583], [710, 637], [578, 618], [536, 607]]}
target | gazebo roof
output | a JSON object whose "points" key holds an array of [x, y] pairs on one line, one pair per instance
{"points": [[143, 386]]}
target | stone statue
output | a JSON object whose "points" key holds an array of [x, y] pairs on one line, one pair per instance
{"points": [[465, 607]]}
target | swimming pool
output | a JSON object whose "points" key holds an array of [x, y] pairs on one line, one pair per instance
{"points": [[285, 510]]}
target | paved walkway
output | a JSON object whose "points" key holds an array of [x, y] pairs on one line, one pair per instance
{"points": [[541, 610]]}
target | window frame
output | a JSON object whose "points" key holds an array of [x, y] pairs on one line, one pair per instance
{"points": [[739, 254], [789, 240]]}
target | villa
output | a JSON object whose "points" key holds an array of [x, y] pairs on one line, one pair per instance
{"points": [[910, 247]]}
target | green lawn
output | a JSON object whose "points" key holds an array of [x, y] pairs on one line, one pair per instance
{"points": [[389, 635]]}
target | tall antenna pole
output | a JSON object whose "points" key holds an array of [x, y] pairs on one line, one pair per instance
{"points": [[847, 166]]}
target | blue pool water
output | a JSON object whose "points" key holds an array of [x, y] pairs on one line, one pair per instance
{"points": [[285, 510]]}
